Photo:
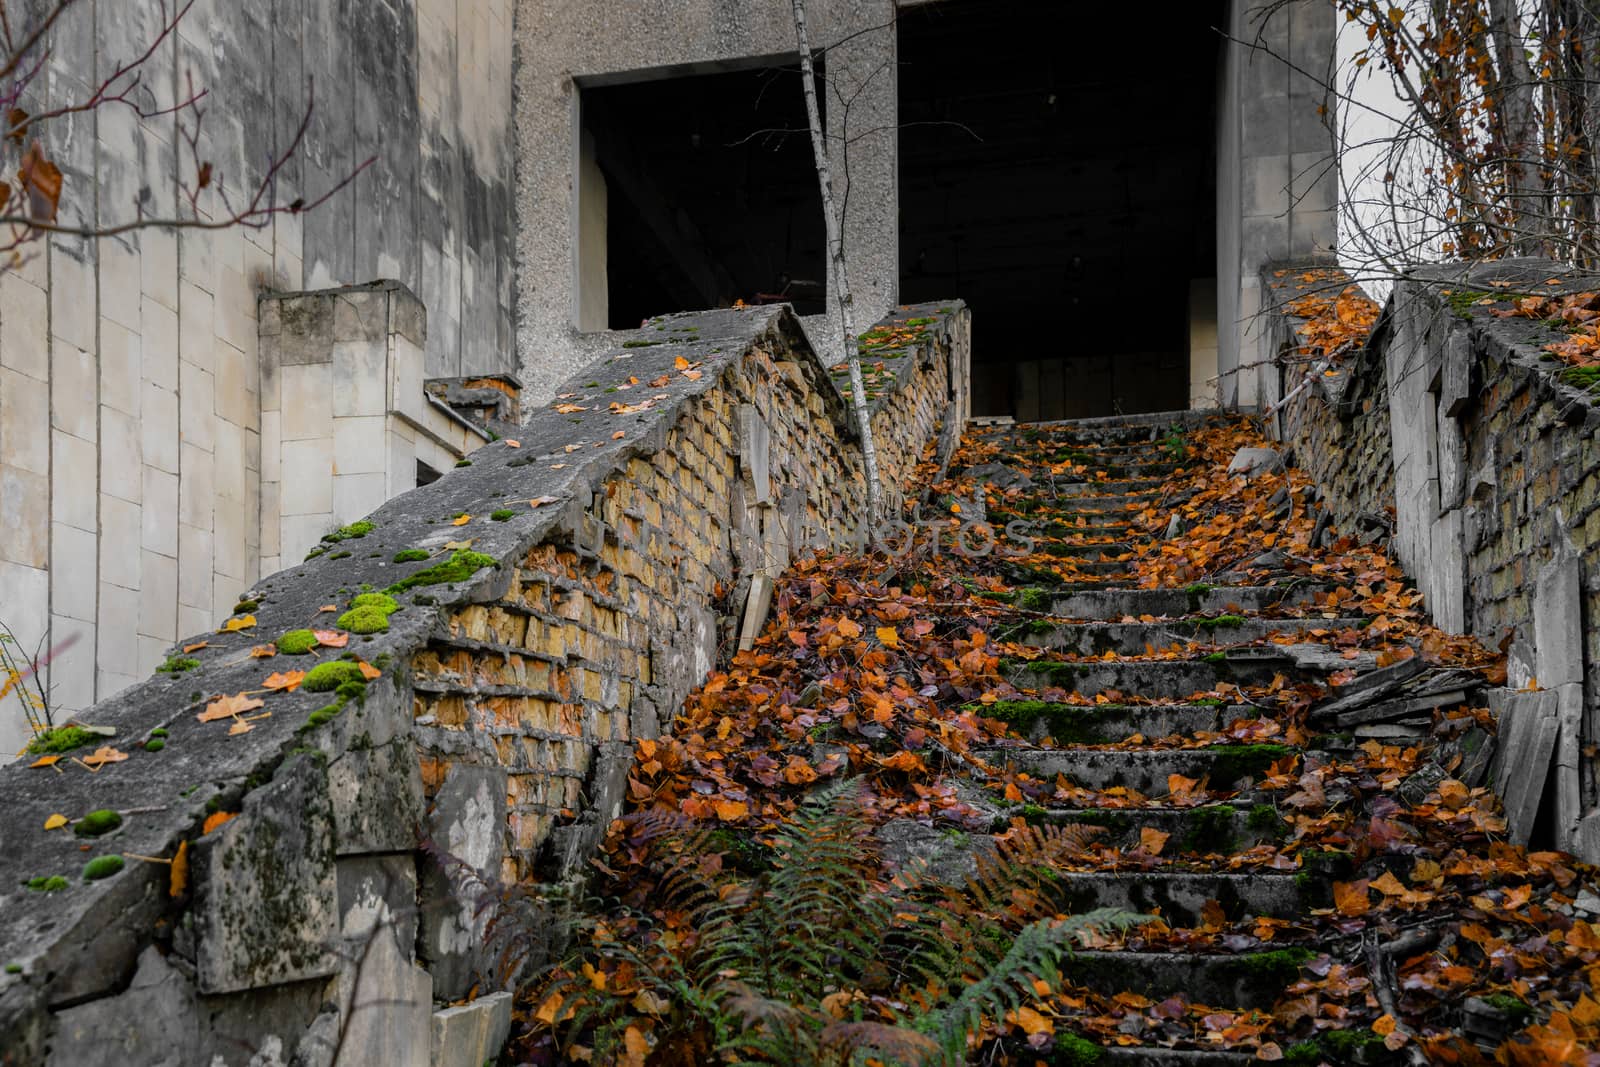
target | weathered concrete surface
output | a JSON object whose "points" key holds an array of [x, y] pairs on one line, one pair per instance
{"points": [[560, 46], [494, 738]]}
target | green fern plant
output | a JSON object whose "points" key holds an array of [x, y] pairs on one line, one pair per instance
{"points": [[818, 961]]}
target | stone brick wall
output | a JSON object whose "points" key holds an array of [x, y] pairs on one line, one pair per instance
{"points": [[621, 534], [1339, 422], [1495, 488]]}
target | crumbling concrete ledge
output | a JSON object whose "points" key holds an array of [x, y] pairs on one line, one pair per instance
{"points": [[584, 577]]}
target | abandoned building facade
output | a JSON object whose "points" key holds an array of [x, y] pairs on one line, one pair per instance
{"points": [[178, 423]]}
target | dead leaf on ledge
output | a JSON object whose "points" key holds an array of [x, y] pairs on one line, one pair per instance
{"points": [[331, 638], [225, 707], [196, 647], [264, 651], [461, 520], [103, 755], [216, 819], [246, 622]]}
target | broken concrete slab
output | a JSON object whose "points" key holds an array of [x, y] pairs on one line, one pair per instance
{"points": [[466, 823], [470, 1035], [389, 1007], [1558, 616], [266, 888], [1529, 727]]}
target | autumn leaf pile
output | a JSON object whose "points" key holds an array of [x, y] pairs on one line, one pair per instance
{"points": [[1336, 315], [883, 668]]}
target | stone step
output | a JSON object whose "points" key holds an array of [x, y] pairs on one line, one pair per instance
{"points": [[1144, 770], [1204, 830], [1099, 568], [1110, 604], [1130, 488], [1154, 679], [1237, 981], [1097, 724], [1180, 897], [1147, 463], [1132, 638], [1084, 549], [1156, 1056]]}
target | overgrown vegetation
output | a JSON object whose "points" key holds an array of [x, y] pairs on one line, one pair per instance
{"points": [[815, 960]]}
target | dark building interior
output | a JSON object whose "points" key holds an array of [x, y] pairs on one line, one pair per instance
{"points": [[711, 193], [1058, 172]]}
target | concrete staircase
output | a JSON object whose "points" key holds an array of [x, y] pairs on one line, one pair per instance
{"points": [[1200, 766]]}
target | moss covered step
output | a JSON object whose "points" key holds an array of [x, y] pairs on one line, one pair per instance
{"points": [[1109, 604], [1143, 770], [1130, 488], [1205, 830], [1108, 569], [1098, 724], [1084, 549], [1236, 980], [1155, 679], [1102, 528], [1156, 1056], [1132, 638], [1180, 897]]}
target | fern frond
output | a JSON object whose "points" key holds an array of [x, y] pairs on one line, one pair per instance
{"points": [[1036, 953]]}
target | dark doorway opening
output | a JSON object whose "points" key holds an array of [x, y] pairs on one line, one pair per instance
{"points": [[1058, 172], [710, 194]]}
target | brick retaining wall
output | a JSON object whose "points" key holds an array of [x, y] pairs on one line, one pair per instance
{"points": [[622, 535]]}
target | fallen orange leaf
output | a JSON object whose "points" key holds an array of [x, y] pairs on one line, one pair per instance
{"points": [[216, 819], [331, 638], [55, 822], [263, 651], [368, 671], [288, 681], [460, 520], [196, 647], [103, 755], [225, 707], [45, 761], [178, 876]]}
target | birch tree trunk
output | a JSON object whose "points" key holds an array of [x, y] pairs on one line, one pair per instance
{"points": [[841, 281]]}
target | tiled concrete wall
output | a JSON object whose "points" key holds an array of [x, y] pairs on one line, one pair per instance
{"points": [[130, 435], [345, 417], [1277, 173]]}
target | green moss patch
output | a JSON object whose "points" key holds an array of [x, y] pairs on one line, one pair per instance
{"points": [[297, 642], [46, 883], [410, 555], [1069, 724], [179, 664], [97, 822], [346, 533], [101, 867], [364, 621], [502, 515], [155, 744], [1230, 763], [61, 739], [461, 565], [326, 677]]}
